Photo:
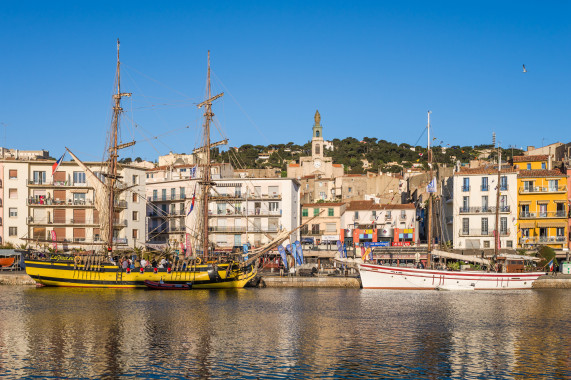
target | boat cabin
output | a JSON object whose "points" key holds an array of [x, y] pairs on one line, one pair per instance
{"points": [[510, 265]]}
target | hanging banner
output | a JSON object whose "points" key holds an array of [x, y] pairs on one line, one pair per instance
{"points": [[282, 252], [188, 253], [54, 238], [431, 188]]}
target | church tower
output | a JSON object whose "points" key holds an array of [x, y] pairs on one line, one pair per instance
{"points": [[317, 140]]}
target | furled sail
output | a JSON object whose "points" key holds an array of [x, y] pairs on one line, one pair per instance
{"points": [[101, 197]]}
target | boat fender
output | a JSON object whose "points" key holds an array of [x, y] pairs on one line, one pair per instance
{"points": [[128, 270], [168, 269], [198, 261], [155, 270], [77, 261], [142, 270]]}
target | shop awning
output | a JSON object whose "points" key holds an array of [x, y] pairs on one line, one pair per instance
{"points": [[551, 224], [526, 224]]}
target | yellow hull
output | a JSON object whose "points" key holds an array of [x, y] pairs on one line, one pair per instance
{"points": [[66, 273]]}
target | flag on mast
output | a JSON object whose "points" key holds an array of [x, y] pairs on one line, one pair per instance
{"points": [[192, 202], [57, 164]]}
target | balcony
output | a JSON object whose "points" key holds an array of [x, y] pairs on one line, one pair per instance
{"points": [[543, 240], [544, 214], [484, 188], [243, 213], [241, 229], [118, 223], [483, 210], [167, 230], [539, 189], [449, 219], [167, 198], [36, 201], [465, 188], [37, 183], [480, 232]]}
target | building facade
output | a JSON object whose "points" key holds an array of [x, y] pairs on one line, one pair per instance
{"points": [[475, 206], [38, 207], [324, 221]]}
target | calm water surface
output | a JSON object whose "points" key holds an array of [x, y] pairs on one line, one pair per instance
{"points": [[284, 333]]}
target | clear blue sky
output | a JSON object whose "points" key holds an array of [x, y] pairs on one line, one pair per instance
{"points": [[371, 68]]}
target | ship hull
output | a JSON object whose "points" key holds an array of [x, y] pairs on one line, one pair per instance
{"points": [[386, 277], [67, 274]]}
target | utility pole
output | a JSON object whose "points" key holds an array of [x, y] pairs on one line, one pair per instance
{"points": [[429, 152]]}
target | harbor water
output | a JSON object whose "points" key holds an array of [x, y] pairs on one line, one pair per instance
{"points": [[284, 333]]}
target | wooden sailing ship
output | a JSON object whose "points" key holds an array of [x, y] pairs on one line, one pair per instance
{"points": [[204, 269]]}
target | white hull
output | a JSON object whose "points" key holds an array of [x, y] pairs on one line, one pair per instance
{"points": [[384, 277]]}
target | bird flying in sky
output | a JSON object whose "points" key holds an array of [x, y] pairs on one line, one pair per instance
{"points": [[524, 69]]}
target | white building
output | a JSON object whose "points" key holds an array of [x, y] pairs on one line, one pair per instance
{"points": [[474, 208], [241, 210], [36, 204]]}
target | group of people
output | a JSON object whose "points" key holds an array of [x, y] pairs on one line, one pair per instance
{"points": [[134, 263]]}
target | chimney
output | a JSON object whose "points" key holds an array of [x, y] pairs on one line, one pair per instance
{"points": [[549, 160]]}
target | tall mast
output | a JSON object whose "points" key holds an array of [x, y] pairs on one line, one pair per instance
{"points": [[206, 182], [497, 231], [429, 152], [112, 174]]}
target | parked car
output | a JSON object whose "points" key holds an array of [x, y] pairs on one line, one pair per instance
{"points": [[307, 240]]}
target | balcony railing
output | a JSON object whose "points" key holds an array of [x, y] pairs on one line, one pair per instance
{"points": [[85, 221], [166, 230], [180, 197], [474, 210], [256, 212], [544, 214], [543, 240], [480, 232], [484, 188], [540, 189], [32, 182], [36, 201], [465, 188]]}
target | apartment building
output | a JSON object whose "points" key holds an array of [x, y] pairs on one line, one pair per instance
{"points": [[385, 224], [475, 205], [38, 208], [324, 221]]}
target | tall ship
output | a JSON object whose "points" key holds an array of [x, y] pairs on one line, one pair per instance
{"points": [[504, 272], [203, 268]]}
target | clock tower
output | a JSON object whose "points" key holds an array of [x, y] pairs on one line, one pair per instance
{"points": [[317, 141]]}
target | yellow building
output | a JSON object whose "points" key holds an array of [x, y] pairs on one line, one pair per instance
{"points": [[542, 203]]}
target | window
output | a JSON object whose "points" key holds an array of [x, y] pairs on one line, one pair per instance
{"points": [[182, 192], [13, 193], [135, 234], [78, 198], [78, 177], [135, 198], [465, 204], [543, 165], [465, 226], [356, 216], [155, 195], [524, 212], [503, 225], [273, 206], [322, 195], [135, 179], [273, 191], [315, 229], [330, 227], [486, 244], [560, 231], [135, 215], [509, 244], [374, 215], [13, 231], [12, 174], [527, 186], [330, 212], [484, 226], [503, 182], [528, 166], [317, 149], [304, 212], [484, 184], [349, 190], [553, 184], [13, 211], [484, 203], [304, 229], [389, 214], [543, 210], [320, 184], [465, 184], [315, 211], [504, 203], [164, 194], [403, 214], [525, 232], [173, 193], [39, 177], [560, 210]]}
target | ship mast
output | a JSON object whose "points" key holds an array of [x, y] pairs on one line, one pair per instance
{"points": [[113, 148], [206, 182], [497, 231], [429, 152]]}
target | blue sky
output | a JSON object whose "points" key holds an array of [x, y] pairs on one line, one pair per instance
{"points": [[371, 68]]}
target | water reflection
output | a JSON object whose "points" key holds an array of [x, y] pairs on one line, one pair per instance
{"points": [[284, 333]]}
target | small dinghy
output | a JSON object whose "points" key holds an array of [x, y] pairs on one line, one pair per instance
{"points": [[165, 286]]}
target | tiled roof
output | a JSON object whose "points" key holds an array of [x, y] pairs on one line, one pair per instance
{"points": [[337, 165], [293, 165], [371, 205], [539, 157], [485, 170], [540, 173], [329, 204]]}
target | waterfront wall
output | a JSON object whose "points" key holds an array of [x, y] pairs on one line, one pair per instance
{"points": [[560, 281], [309, 282], [12, 278]]}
